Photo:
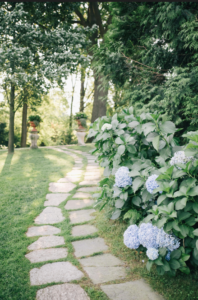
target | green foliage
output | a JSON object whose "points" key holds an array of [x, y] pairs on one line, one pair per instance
{"points": [[36, 118], [145, 144], [80, 115]]}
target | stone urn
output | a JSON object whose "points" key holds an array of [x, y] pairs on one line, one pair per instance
{"points": [[34, 137], [80, 133]]}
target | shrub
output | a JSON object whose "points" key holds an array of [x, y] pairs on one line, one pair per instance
{"points": [[155, 186]]}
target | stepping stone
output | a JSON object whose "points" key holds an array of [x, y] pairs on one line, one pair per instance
{"points": [[79, 161], [94, 173], [88, 182], [61, 180], [56, 187], [89, 246], [75, 172], [50, 215], [42, 230], [83, 230], [47, 242], [77, 168], [80, 216], [73, 178], [55, 272], [92, 168], [104, 260], [82, 195], [92, 177], [132, 290], [89, 189], [66, 291], [55, 199], [77, 204], [46, 254], [105, 274]]}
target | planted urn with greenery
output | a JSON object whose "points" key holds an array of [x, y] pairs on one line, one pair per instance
{"points": [[81, 118], [34, 120]]}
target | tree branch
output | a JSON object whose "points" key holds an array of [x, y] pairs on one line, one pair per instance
{"points": [[82, 20], [98, 18]]}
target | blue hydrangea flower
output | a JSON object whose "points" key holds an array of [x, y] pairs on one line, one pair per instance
{"points": [[180, 158], [152, 253], [151, 183], [131, 239], [148, 235], [167, 257], [168, 241], [122, 178]]}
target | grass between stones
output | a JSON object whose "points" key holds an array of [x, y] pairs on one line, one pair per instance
{"points": [[181, 287]]}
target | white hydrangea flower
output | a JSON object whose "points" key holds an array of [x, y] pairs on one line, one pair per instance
{"points": [[151, 183], [152, 253], [122, 178], [106, 126], [131, 239], [148, 235], [180, 158], [165, 240]]}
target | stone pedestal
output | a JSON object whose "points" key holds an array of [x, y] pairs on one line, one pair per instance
{"points": [[34, 137], [81, 136]]}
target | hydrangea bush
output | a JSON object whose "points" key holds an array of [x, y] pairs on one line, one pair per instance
{"points": [[152, 182]]}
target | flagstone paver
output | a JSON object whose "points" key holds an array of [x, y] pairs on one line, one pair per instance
{"points": [[133, 290], [57, 187], [50, 215], [46, 254], [55, 272], [89, 182], [42, 230], [55, 199], [89, 189], [47, 242], [105, 274], [103, 260], [80, 216], [77, 204], [82, 195], [66, 291], [89, 246], [83, 230]]}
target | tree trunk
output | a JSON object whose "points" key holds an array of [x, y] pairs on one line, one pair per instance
{"points": [[71, 108], [24, 126], [11, 124], [82, 89], [100, 99]]}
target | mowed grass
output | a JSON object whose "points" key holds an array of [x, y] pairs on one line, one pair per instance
{"points": [[87, 148], [24, 180], [181, 287]]}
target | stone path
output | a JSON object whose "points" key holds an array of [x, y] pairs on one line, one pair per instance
{"points": [[92, 253]]}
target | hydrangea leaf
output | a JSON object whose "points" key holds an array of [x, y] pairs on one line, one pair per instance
{"points": [[184, 230], [193, 192], [160, 199], [175, 254], [121, 149], [131, 149], [151, 136], [114, 123], [138, 182], [119, 141], [195, 232], [116, 214], [182, 215], [124, 196], [174, 264], [168, 127], [160, 270], [136, 200], [148, 127], [195, 207], [185, 270], [149, 265], [133, 124], [190, 221], [146, 196], [134, 173], [160, 223], [162, 251], [180, 204], [119, 203]]}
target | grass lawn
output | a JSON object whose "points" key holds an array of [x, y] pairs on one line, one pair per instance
{"points": [[24, 181], [181, 287], [86, 148]]}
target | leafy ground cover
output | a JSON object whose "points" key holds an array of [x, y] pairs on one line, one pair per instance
{"points": [[181, 287], [24, 180]]}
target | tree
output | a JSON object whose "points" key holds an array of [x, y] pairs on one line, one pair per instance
{"points": [[85, 15], [24, 43]]}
